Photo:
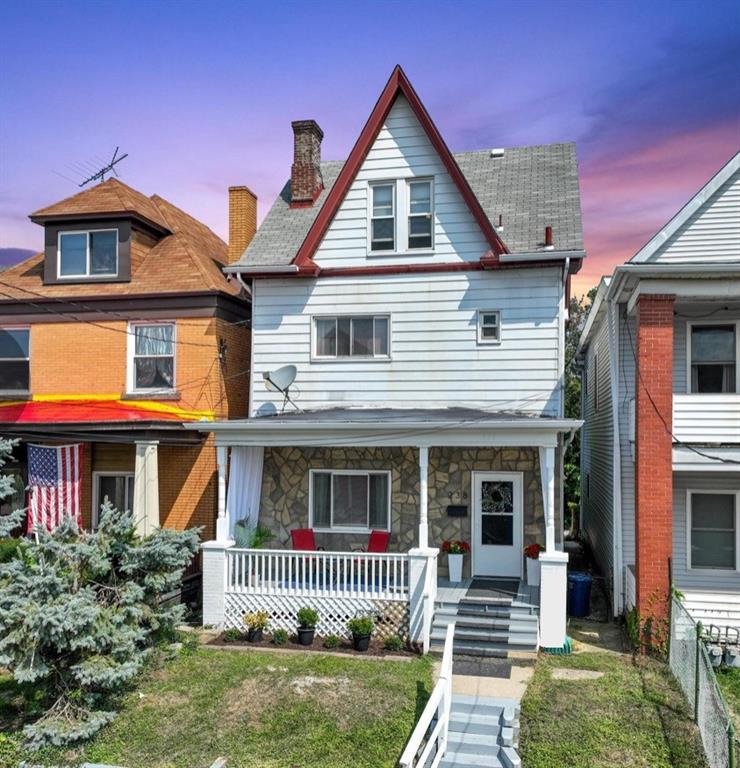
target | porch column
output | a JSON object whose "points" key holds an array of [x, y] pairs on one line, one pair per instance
{"points": [[146, 487], [222, 519], [423, 497], [547, 469]]}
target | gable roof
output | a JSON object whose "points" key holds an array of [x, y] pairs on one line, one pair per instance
{"points": [[531, 187], [697, 201], [189, 259], [111, 197], [397, 84]]}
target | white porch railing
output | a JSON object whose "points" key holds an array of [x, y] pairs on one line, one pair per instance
{"points": [[318, 574], [429, 738]]}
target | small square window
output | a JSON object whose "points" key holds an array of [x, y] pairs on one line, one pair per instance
{"points": [[489, 326]]}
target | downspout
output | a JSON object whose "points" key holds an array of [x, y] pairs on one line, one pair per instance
{"points": [[246, 288], [617, 568]]}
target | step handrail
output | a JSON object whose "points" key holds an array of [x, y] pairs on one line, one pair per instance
{"points": [[436, 716]]}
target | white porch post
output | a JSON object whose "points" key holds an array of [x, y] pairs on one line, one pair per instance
{"points": [[423, 497], [215, 582], [146, 487], [553, 564], [222, 520], [422, 566]]}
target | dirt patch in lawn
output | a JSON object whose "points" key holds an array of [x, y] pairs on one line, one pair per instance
{"points": [[376, 648]]}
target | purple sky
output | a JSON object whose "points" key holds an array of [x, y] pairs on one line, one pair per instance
{"points": [[201, 96]]}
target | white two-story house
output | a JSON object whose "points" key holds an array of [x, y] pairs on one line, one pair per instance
{"points": [[661, 402], [409, 307]]}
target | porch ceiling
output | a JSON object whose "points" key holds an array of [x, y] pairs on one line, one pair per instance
{"points": [[387, 427]]}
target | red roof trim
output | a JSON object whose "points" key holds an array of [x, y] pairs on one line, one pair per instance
{"points": [[398, 83]]}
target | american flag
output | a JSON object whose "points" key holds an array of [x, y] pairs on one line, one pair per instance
{"points": [[54, 480]]}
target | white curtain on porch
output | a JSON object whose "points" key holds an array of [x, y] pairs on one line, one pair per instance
{"points": [[245, 486]]}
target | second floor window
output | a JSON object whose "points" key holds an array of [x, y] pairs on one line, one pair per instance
{"points": [[383, 219], [713, 363], [14, 359], [88, 254], [361, 336], [153, 357], [420, 214], [489, 326]]}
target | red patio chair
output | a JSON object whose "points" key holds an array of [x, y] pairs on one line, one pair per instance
{"points": [[303, 539], [378, 541]]}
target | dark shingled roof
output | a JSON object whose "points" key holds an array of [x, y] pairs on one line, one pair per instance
{"points": [[532, 187], [400, 415]]}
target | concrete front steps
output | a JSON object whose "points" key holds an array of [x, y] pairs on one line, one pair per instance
{"points": [[482, 732], [490, 627]]}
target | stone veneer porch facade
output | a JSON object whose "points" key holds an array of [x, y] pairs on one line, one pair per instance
{"points": [[285, 492]]}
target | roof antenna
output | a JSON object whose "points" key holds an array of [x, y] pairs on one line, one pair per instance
{"points": [[109, 168]]}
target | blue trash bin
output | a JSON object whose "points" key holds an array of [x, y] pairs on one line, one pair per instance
{"points": [[579, 594]]}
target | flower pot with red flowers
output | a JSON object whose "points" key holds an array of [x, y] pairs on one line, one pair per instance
{"points": [[532, 554], [456, 551]]}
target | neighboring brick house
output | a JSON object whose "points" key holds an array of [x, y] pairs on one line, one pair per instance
{"points": [[661, 400], [121, 330]]}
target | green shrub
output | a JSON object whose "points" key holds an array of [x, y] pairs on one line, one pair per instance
{"points": [[332, 641], [232, 635], [393, 643], [308, 618], [361, 625], [279, 637], [8, 548]]}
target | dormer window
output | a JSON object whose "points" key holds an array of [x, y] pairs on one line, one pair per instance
{"points": [[91, 253]]}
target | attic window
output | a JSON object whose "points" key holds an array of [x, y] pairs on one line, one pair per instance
{"points": [[383, 218], [92, 253]]}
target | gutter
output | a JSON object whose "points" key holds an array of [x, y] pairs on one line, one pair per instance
{"points": [[542, 256], [279, 269]]}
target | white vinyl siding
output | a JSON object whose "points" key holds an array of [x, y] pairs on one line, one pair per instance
{"points": [[437, 361], [596, 439], [699, 579], [400, 152], [627, 434], [711, 234]]}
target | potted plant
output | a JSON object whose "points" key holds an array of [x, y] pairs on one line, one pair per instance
{"points": [[308, 618], [455, 550], [256, 623], [361, 628], [532, 553]]}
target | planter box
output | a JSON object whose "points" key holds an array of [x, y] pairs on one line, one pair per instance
{"points": [[455, 564], [533, 572]]}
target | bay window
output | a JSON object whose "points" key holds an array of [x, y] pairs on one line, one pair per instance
{"points": [[339, 337], [349, 500], [152, 357], [712, 519]]}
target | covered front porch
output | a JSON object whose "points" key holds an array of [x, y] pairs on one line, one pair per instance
{"points": [[423, 477]]}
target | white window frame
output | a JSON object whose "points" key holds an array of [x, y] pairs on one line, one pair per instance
{"points": [[394, 189], [718, 492], [96, 492], [87, 273], [409, 182], [341, 528], [715, 323], [130, 353], [18, 328], [350, 358], [401, 213], [479, 326]]}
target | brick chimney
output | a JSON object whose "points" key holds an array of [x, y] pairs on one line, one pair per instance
{"points": [[242, 220], [306, 181]]}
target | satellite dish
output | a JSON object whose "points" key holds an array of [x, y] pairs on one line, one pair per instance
{"points": [[280, 379]]}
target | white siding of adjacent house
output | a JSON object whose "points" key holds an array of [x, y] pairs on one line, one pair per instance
{"points": [[402, 150], [711, 234], [701, 580], [627, 335], [598, 465], [436, 360]]}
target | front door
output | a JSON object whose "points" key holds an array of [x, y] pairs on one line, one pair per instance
{"points": [[497, 524]]}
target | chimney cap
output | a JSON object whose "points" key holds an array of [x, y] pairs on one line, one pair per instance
{"points": [[307, 126]]}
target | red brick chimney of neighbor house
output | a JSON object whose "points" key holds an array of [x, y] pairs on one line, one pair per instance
{"points": [[653, 460], [306, 181], [242, 220]]}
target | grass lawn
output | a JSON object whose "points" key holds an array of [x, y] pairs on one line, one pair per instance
{"points": [[729, 683], [255, 708], [635, 715]]}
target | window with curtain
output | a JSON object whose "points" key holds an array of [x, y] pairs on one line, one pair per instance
{"points": [[153, 361], [713, 364], [713, 518], [350, 500]]}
